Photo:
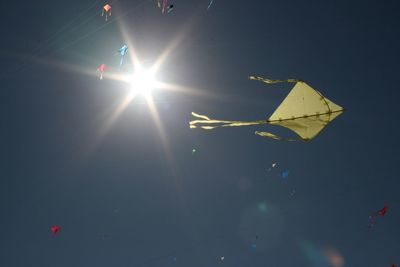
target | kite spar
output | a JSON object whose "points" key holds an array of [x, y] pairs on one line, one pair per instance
{"points": [[305, 111]]}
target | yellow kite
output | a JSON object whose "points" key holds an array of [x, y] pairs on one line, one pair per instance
{"points": [[304, 111]]}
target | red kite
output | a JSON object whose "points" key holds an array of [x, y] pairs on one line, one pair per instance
{"points": [[101, 69], [55, 229]]}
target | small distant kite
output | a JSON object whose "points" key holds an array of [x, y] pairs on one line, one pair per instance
{"points": [[305, 111], [55, 229], [210, 4], [382, 211], [222, 258], [285, 173], [273, 165], [164, 6], [101, 69], [122, 52], [107, 11], [373, 217], [194, 151]]}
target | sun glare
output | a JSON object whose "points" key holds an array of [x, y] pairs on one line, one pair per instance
{"points": [[142, 82]]}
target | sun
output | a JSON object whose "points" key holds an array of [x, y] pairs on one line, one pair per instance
{"points": [[142, 82]]}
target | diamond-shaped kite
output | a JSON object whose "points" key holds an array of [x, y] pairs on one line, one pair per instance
{"points": [[304, 111], [107, 11]]}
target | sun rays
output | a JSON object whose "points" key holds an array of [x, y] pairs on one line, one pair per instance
{"points": [[137, 80]]}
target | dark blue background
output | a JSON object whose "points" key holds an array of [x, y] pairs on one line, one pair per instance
{"points": [[128, 199]]}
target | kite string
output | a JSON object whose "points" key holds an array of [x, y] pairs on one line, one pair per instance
{"points": [[100, 27], [88, 19], [71, 22], [50, 40], [80, 38]]}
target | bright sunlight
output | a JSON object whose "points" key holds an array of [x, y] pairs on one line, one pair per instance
{"points": [[142, 82]]}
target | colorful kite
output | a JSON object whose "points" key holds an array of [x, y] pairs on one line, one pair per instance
{"points": [[101, 69], [106, 11], [373, 217], [122, 51], [55, 229], [304, 111]]}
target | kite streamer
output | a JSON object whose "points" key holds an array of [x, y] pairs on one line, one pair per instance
{"points": [[305, 111]]}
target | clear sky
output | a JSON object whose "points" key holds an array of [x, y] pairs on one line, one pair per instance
{"points": [[131, 193]]}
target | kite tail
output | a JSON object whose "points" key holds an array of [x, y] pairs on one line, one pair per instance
{"points": [[276, 137], [209, 124], [212, 124], [122, 61], [164, 5], [265, 80]]}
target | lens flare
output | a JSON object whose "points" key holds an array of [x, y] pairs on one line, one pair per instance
{"points": [[142, 82]]}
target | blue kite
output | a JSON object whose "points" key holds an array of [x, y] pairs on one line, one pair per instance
{"points": [[285, 173], [122, 51]]}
